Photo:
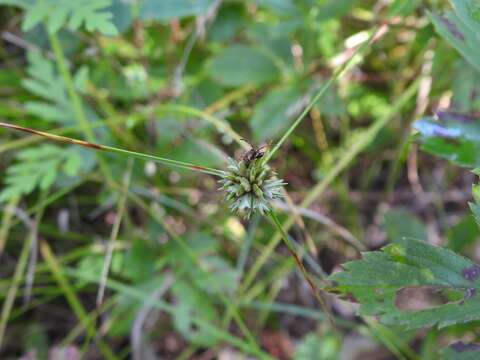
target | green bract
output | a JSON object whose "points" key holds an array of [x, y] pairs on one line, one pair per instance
{"points": [[250, 187]]}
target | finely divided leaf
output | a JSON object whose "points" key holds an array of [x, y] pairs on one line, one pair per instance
{"points": [[45, 83], [39, 167], [377, 281], [92, 14]]}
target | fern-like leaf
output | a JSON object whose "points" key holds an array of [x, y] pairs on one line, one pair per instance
{"points": [[38, 168], [47, 84], [92, 14]]}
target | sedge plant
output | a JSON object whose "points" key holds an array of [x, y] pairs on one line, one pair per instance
{"points": [[250, 184]]}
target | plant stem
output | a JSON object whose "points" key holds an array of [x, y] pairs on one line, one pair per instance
{"points": [[74, 98], [15, 284], [72, 93], [72, 298], [337, 74], [165, 161], [306, 275], [114, 234]]}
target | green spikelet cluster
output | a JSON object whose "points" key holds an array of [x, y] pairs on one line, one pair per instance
{"points": [[250, 187]]}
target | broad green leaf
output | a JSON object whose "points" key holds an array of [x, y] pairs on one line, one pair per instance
{"points": [[241, 65], [376, 281], [463, 234], [466, 88], [166, 10], [400, 224], [230, 19], [275, 112], [191, 303], [280, 7], [453, 136]]}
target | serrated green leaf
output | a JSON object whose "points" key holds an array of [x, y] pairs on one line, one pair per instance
{"points": [[93, 14], [39, 167], [34, 15], [48, 85], [57, 18], [375, 282], [240, 65], [400, 224]]}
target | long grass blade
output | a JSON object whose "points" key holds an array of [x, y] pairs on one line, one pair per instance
{"points": [[337, 74], [72, 298], [306, 275], [165, 161]]}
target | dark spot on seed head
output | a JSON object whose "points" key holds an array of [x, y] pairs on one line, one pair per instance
{"points": [[471, 273], [460, 346], [452, 28]]}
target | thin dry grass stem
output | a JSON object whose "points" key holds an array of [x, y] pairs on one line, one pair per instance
{"points": [[331, 225], [64, 139], [18, 273], [342, 69], [114, 234], [136, 335], [7, 222], [71, 296], [306, 275]]}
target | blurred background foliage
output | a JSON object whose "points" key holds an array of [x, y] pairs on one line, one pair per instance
{"points": [[173, 78]]}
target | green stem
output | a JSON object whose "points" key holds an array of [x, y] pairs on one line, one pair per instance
{"points": [[64, 139], [306, 275], [75, 99], [72, 93], [337, 74], [12, 291], [165, 161]]}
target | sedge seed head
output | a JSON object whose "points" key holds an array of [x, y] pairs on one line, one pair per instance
{"points": [[250, 186]]}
